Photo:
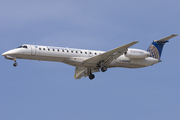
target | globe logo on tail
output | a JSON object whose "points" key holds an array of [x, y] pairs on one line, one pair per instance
{"points": [[153, 52]]}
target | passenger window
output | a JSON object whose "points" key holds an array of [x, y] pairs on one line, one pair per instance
{"points": [[95, 53], [53, 49], [81, 52], [39, 48], [89, 52], [85, 52], [43, 48], [76, 51], [58, 50], [72, 51], [67, 51], [62, 50], [48, 49]]}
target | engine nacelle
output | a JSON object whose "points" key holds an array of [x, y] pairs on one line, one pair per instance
{"points": [[136, 53]]}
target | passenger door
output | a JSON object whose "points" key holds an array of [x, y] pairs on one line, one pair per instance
{"points": [[33, 50]]}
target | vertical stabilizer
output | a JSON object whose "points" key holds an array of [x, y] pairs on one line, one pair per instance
{"points": [[156, 47]]}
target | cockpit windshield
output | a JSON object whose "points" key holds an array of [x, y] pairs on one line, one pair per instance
{"points": [[19, 47], [24, 46]]}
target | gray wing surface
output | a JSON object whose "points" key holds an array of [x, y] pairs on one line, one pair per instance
{"points": [[109, 56]]}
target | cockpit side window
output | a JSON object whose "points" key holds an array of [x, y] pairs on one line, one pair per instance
{"points": [[24, 46]]}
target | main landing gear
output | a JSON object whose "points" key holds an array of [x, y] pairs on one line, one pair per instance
{"points": [[103, 69], [91, 76], [103, 65], [15, 63]]}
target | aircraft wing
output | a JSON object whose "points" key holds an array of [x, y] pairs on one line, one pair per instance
{"points": [[166, 38], [109, 56], [79, 72], [83, 71]]}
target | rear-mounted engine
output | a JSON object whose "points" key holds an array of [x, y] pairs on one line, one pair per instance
{"points": [[136, 53]]}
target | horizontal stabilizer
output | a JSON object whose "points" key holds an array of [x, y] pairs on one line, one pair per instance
{"points": [[163, 40]]}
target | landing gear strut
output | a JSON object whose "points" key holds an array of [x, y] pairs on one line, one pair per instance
{"points": [[15, 64], [91, 76]]}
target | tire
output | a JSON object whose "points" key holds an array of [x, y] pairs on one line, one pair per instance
{"points": [[92, 76], [15, 64], [103, 69]]}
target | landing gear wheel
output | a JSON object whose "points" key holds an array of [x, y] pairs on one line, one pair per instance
{"points": [[103, 69], [15, 64], [91, 76]]}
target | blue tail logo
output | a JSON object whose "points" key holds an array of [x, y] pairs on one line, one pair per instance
{"points": [[155, 49]]}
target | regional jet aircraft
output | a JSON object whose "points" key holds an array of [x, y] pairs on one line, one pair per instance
{"points": [[88, 62]]}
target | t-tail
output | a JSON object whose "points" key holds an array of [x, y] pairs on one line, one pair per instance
{"points": [[156, 47]]}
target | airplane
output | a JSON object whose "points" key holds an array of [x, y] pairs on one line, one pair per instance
{"points": [[88, 62]]}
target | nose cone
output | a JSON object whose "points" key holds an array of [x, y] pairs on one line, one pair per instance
{"points": [[10, 52], [4, 54]]}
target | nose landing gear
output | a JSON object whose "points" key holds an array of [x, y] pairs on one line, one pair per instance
{"points": [[15, 64]]}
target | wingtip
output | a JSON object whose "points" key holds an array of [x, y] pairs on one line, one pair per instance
{"points": [[175, 34], [136, 41]]}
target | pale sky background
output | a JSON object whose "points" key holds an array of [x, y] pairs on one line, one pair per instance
{"points": [[48, 91]]}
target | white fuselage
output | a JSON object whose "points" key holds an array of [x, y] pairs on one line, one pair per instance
{"points": [[75, 57]]}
